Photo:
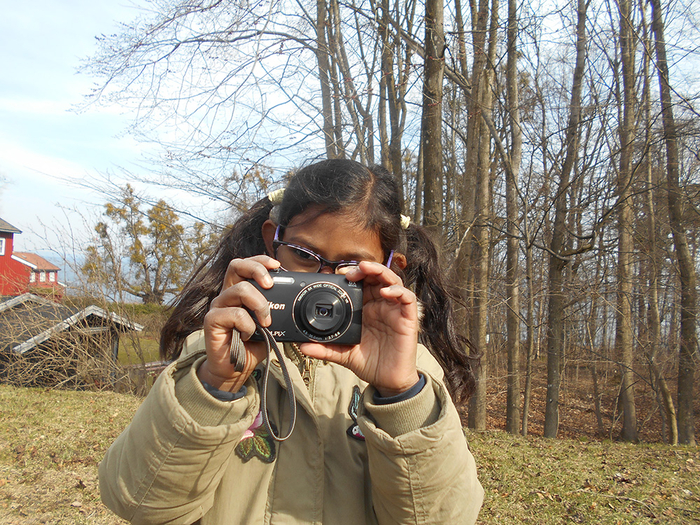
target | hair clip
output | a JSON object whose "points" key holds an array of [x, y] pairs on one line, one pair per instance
{"points": [[276, 196], [405, 222]]}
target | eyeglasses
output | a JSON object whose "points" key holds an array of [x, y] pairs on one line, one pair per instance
{"points": [[299, 259]]}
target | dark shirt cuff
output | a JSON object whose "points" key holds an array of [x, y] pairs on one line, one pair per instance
{"points": [[377, 399], [222, 395]]}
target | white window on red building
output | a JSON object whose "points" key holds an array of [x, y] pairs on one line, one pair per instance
{"points": [[52, 277], [42, 277], [2, 246], [32, 277]]}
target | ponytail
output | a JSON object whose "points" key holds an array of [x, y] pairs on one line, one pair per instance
{"points": [[457, 356], [243, 239]]}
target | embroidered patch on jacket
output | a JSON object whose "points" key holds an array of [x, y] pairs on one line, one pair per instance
{"points": [[257, 442], [354, 430]]}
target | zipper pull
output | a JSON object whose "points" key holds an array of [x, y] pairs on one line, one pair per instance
{"points": [[306, 370]]}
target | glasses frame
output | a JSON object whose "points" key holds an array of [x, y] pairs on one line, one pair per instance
{"points": [[322, 261]]}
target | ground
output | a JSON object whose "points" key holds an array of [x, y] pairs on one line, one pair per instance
{"points": [[51, 442]]}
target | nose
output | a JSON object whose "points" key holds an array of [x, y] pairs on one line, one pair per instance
{"points": [[326, 269]]}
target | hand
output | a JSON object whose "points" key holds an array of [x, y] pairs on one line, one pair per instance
{"points": [[231, 310], [386, 357]]}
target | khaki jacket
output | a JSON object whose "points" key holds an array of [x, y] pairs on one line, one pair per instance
{"points": [[187, 456]]}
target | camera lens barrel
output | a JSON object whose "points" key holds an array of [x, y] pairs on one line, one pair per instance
{"points": [[323, 311]]}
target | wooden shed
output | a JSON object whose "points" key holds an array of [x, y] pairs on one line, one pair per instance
{"points": [[44, 343]]}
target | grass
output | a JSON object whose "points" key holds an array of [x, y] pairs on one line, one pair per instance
{"points": [[51, 442], [50, 445], [537, 480], [135, 351]]}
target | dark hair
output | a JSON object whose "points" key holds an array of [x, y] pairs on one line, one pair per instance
{"points": [[372, 195]]}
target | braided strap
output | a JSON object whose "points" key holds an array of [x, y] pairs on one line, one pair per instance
{"points": [[237, 352], [271, 345]]}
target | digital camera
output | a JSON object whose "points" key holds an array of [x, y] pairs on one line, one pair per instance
{"points": [[324, 308]]}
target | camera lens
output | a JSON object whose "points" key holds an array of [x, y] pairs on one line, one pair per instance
{"points": [[317, 312], [322, 311]]}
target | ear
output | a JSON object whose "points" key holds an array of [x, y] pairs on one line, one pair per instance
{"points": [[399, 260], [268, 234]]}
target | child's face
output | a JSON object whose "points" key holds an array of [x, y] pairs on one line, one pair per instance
{"points": [[333, 236]]}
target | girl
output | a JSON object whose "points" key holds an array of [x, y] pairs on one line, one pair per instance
{"points": [[377, 436]]}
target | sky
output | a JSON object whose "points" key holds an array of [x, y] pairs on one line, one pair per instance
{"points": [[43, 142]]}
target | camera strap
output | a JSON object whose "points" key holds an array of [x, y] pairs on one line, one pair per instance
{"points": [[270, 343]]}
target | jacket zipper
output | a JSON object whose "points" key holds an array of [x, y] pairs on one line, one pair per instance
{"points": [[306, 371], [305, 365]]}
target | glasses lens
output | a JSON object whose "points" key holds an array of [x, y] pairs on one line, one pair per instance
{"points": [[297, 259]]}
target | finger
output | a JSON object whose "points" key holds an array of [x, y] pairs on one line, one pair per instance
{"points": [[399, 294], [332, 353], [256, 268], [224, 320], [218, 369], [373, 273], [246, 295]]}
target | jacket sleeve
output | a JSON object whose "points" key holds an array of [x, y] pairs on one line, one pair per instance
{"points": [[427, 474], [166, 465]]}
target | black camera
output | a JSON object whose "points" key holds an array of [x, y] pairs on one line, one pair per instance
{"points": [[324, 308]]}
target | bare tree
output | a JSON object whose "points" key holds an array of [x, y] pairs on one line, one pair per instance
{"points": [[333, 141], [558, 258], [484, 25], [431, 123], [623, 325], [243, 94], [396, 72], [654, 254], [686, 267], [513, 229]]}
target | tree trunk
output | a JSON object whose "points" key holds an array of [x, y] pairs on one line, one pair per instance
{"points": [[513, 230], [392, 97], [397, 103], [478, 163], [686, 268], [431, 122], [653, 315], [557, 262], [420, 188], [530, 336], [623, 326], [361, 119], [596, 401], [322, 54]]}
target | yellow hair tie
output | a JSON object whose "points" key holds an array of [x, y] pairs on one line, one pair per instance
{"points": [[276, 196]]}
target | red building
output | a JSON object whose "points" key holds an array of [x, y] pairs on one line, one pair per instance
{"points": [[22, 272]]}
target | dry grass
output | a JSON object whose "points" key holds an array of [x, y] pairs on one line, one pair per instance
{"points": [[51, 442], [138, 350], [538, 480]]}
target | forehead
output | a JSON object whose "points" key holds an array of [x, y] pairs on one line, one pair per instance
{"points": [[335, 236]]}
